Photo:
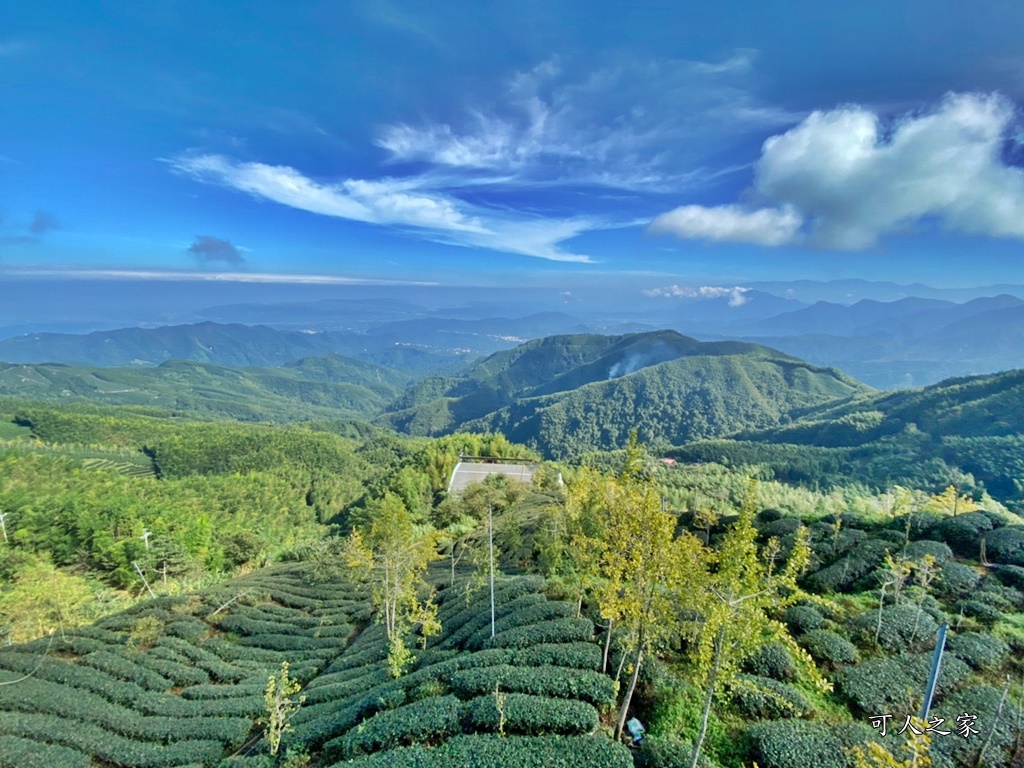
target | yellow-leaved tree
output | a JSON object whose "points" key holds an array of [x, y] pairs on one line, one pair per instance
{"points": [[621, 546], [738, 592], [392, 553]]}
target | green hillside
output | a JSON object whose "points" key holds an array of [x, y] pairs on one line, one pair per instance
{"points": [[330, 386], [966, 432], [573, 394]]}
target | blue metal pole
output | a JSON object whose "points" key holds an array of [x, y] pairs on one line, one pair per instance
{"points": [[933, 678]]}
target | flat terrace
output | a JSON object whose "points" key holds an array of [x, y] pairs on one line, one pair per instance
{"points": [[473, 469]]}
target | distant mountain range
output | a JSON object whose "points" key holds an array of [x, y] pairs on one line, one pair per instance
{"points": [[320, 387], [904, 343], [572, 394]]}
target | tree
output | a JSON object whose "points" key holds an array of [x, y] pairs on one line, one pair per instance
{"points": [[393, 554], [279, 705], [738, 592], [643, 571]]}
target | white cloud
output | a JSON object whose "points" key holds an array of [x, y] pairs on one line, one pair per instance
{"points": [[639, 125], [393, 202], [735, 294], [184, 275], [13, 47], [767, 226], [852, 178]]}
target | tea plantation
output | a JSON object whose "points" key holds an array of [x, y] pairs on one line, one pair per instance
{"points": [[180, 681]]}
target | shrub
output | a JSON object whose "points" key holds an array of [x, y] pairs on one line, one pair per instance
{"points": [[903, 628], [524, 617], [669, 753], [555, 631], [16, 752], [957, 579], [894, 683], [772, 660], [560, 682], [983, 612], [1010, 575], [433, 718], [796, 744], [781, 527], [766, 699], [91, 740], [118, 666], [983, 701], [842, 575], [963, 533], [978, 650], [803, 618], [829, 647], [937, 549], [532, 715], [491, 751], [579, 655], [994, 597], [1006, 545]]}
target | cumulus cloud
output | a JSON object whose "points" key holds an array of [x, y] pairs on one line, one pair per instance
{"points": [[210, 249], [396, 202], [766, 226], [43, 222], [845, 178], [735, 294]]}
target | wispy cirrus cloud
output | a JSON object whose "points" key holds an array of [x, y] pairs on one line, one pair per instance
{"points": [[403, 203], [640, 125], [845, 178]]}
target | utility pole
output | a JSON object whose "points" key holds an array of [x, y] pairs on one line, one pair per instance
{"points": [[3, 525], [490, 533]]}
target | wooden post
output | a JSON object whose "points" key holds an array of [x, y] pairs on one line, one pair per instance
{"points": [[490, 532], [143, 577]]}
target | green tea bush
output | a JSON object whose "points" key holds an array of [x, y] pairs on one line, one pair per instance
{"points": [[559, 682], [579, 655], [963, 533], [118, 666], [245, 626], [796, 744], [1010, 575], [320, 691], [206, 692], [903, 628], [983, 612], [829, 647], [534, 614], [658, 752], [554, 631], [1006, 545], [895, 683], [492, 751], [916, 550], [995, 597], [841, 576], [772, 660], [978, 650], [803, 618], [531, 715], [430, 719], [763, 698], [292, 643], [106, 746], [187, 628], [478, 616], [957, 579], [16, 752], [982, 701]]}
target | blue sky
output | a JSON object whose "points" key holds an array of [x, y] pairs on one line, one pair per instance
{"points": [[532, 142]]}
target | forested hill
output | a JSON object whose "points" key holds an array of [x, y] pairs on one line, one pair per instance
{"points": [[966, 431], [222, 344], [573, 394], [329, 386]]}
